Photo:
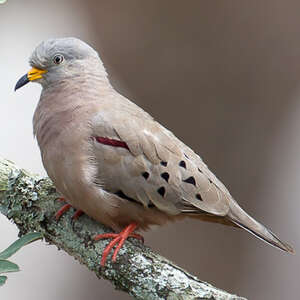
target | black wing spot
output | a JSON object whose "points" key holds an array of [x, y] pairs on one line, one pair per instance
{"points": [[186, 156], [182, 164], [164, 163], [210, 180], [162, 191], [200, 170], [123, 196], [165, 176], [198, 196], [146, 175], [190, 180]]}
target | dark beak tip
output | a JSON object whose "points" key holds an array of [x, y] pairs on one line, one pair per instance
{"points": [[22, 81]]}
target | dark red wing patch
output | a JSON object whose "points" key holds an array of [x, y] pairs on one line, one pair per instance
{"points": [[111, 142]]}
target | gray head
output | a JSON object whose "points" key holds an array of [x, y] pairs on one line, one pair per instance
{"points": [[55, 60]]}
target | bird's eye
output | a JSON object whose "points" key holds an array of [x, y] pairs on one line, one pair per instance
{"points": [[58, 59]]}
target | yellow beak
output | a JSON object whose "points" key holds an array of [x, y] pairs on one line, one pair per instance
{"points": [[35, 73], [32, 75]]}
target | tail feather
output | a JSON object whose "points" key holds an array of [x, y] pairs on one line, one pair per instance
{"points": [[238, 216]]}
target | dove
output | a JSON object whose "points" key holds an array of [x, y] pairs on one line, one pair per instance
{"points": [[111, 160]]}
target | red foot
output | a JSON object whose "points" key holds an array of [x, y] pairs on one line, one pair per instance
{"points": [[65, 208], [77, 214], [61, 199], [119, 238]]}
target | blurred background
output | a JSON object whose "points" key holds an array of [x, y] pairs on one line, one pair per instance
{"points": [[224, 76]]}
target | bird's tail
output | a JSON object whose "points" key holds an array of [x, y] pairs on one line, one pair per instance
{"points": [[238, 216]]}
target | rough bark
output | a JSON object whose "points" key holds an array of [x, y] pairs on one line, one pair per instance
{"points": [[30, 201]]}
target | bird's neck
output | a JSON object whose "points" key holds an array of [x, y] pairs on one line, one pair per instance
{"points": [[67, 103]]}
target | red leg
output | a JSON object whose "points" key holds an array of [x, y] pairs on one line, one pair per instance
{"points": [[119, 239], [61, 199], [62, 210], [65, 208], [108, 249], [77, 214], [113, 235], [137, 236]]}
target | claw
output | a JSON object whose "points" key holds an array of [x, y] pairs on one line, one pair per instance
{"points": [[119, 238]]}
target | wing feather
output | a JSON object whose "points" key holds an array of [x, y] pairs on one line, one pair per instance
{"points": [[177, 181]]}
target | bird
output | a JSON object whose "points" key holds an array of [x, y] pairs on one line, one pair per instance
{"points": [[113, 161]]}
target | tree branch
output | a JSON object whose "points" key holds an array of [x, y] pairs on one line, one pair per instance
{"points": [[29, 201]]}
